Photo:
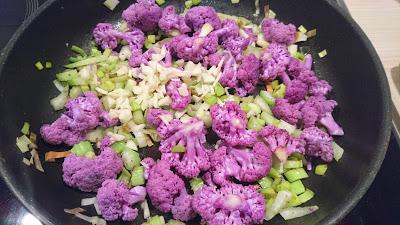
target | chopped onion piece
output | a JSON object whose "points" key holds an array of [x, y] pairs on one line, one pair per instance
{"points": [[295, 212], [74, 210], [337, 151], [146, 210], [257, 5], [323, 53], [311, 33], [26, 161], [111, 4], [302, 29], [36, 160], [94, 220], [22, 143], [279, 203], [292, 49], [300, 37], [96, 207], [59, 86], [88, 201]]}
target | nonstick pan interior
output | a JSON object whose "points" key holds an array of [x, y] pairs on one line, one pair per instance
{"points": [[352, 67]]}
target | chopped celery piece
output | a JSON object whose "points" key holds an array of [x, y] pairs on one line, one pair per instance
{"points": [[321, 169], [196, 183], [265, 182], [160, 2], [281, 200], [279, 92], [130, 158], [294, 201], [269, 119], [274, 173], [152, 37], [306, 196], [107, 52], [111, 4], [268, 192], [107, 85], [293, 164], [85, 88], [138, 117], [25, 128], [179, 148], [276, 182], [191, 111], [59, 101], [78, 50], [223, 97], [22, 143], [255, 124], [284, 185], [196, 2], [134, 105], [86, 62], [302, 29], [296, 174], [275, 84], [299, 55], [297, 187], [137, 177], [245, 107], [82, 148], [75, 91], [268, 98], [125, 176], [188, 4], [75, 59], [323, 53], [251, 109], [219, 90], [48, 65], [262, 104], [286, 126], [156, 220], [337, 151], [39, 65], [67, 75], [118, 146], [247, 99], [210, 99], [235, 1]]}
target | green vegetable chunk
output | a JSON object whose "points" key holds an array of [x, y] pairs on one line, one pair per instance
{"points": [[130, 158], [39, 65], [156, 220], [178, 148], [219, 90], [293, 164], [306, 196], [297, 187], [83, 148], [269, 119], [196, 2], [125, 176], [265, 182], [137, 177], [280, 91], [255, 123], [283, 186], [321, 169], [273, 173], [25, 128], [79, 50], [268, 192], [268, 98], [87, 61], [296, 174], [48, 65], [196, 183], [138, 117], [210, 99], [118, 146]]}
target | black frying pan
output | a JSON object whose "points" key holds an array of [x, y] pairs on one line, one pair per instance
{"points": [[352, 66]]}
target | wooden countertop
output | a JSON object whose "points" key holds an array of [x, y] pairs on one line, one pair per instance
{"points": [[380, 20]]}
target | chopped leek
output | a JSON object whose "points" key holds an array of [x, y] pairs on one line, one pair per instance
{"points": [[83, 148], [275, 84], [39, 65], [306, 196], [79, 50], [323, 53], [111, 4], [48, 65], [179, 148], [299, 55], [296, 174], [86, 62], [196, 183], [297, 187], [130, 158], [321, 169], [137, 176], [25, 128]]}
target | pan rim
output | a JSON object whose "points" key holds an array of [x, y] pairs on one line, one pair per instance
{"points": [[342, 209]]}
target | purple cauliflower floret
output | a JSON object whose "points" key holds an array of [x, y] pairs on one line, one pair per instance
{"points": [[321, 87], [182, 209], [248, 74], [88, 174], [229, 123], [296, 91], [286, 111], [319, 109], [229, 29], [82, 114], [144, 15], [105, 143], [246, 165], [231, 205], [147, 163], [104, 35], [212, 59], [171, 21], [197, 16], [192, 136], [163, 186], [154, 116], [278, 32], [165, 130], [115, 200], [251, 36], [274, 62], [318, 143], [194, 48], [229, 72], [236, 45], [281, 143], [179, 94]]}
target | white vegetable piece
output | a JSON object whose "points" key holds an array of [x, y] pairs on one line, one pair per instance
{"points": [[279, 203], [295, 212]]}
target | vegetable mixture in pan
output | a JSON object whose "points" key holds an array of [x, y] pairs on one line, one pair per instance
{"points": [[173, 79]]}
